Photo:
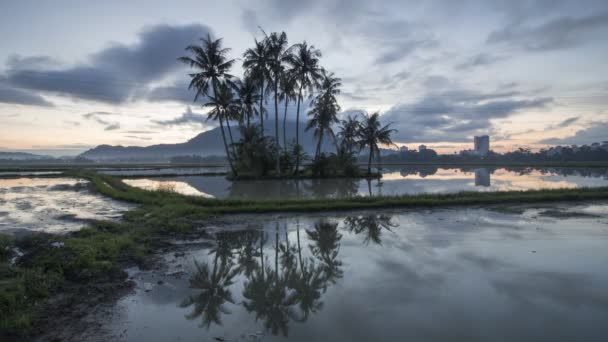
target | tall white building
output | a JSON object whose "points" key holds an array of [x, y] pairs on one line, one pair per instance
{"points": [[482, 145]]}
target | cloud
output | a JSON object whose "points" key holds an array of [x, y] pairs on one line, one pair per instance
{"points": [[178, 92], [596, 132], [72, 123], [99, 118], [479, 60], [567, 122], [112, 127], [403, 48], [187, 118], [556, 34], [21, 97], [138, 138], [455, 116], [115, 74]]}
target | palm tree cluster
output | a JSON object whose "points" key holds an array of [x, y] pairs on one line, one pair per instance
{"points": [[291, 74]]}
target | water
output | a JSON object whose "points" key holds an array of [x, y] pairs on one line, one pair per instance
{"points": [[54, 205], [162, 171], [410, 180], [442, 275]]}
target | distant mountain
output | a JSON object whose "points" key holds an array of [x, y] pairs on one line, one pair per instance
{"points": [[205, 144], [22, 156]]}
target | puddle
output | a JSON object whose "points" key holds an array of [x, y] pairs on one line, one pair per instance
{"points": [[54, 205]]}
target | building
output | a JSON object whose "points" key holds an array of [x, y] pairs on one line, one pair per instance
{"points": [[403, 149], [421, 148], [482, 145]]}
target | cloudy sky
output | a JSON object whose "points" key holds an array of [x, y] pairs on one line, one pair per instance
{"points": [[74, 74]]}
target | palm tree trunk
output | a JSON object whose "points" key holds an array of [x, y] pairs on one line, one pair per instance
{"points": [[248, 118], [319, 142], [217, 107], [226, 146], [262, 107], [369, 162], [276, 123], [231, 140], [298, 129], [285, 124]]}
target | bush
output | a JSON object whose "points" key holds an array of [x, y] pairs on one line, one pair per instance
{"points": [[342, 164]]}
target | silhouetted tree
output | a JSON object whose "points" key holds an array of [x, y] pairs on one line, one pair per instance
{"points": [[279, 54], [371, 134], [257, 66], [324, 112], [212, 67], [305, 68]]}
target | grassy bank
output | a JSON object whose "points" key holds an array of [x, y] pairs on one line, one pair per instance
{"points": [[116, 189], [93, 258]]}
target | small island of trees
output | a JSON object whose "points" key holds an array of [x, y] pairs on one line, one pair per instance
{"points": [[283, 73]]}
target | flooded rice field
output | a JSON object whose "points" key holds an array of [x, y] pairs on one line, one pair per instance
{"points": [[503, 274], [395, 181], [54, 205], [161, 171]]}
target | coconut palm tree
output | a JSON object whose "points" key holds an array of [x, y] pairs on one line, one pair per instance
{"points": [[349, 130], [212, 67], [224, 106], [256, 64], [371, 134], [306, 70], [324, 112], [287, 93], [280, 55], [249, 96]]}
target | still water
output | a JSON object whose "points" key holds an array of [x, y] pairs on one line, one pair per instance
{"points": [[475, 274], [54, 205], [410, 180]]}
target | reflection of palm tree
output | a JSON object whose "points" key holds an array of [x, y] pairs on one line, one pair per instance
{"points": [[267, 295], [248, 253], [215, 291], [370, 225], [326, 247], [308, 286]]}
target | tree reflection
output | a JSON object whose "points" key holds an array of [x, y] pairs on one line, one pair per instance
{"points": [[269, 296], [278, 287], [369, 225], [326, 246], [209, 304]]}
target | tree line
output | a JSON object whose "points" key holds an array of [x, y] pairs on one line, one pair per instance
{"points": [[288, 74]]}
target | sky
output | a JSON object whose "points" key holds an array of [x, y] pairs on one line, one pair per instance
{"points": [[76, 74]]}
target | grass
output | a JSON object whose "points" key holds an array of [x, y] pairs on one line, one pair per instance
{"points": [[100, 251]]}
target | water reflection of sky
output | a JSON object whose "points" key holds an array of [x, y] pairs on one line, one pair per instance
{"points": [[394, 182], [53, 205], [445, 275]]}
